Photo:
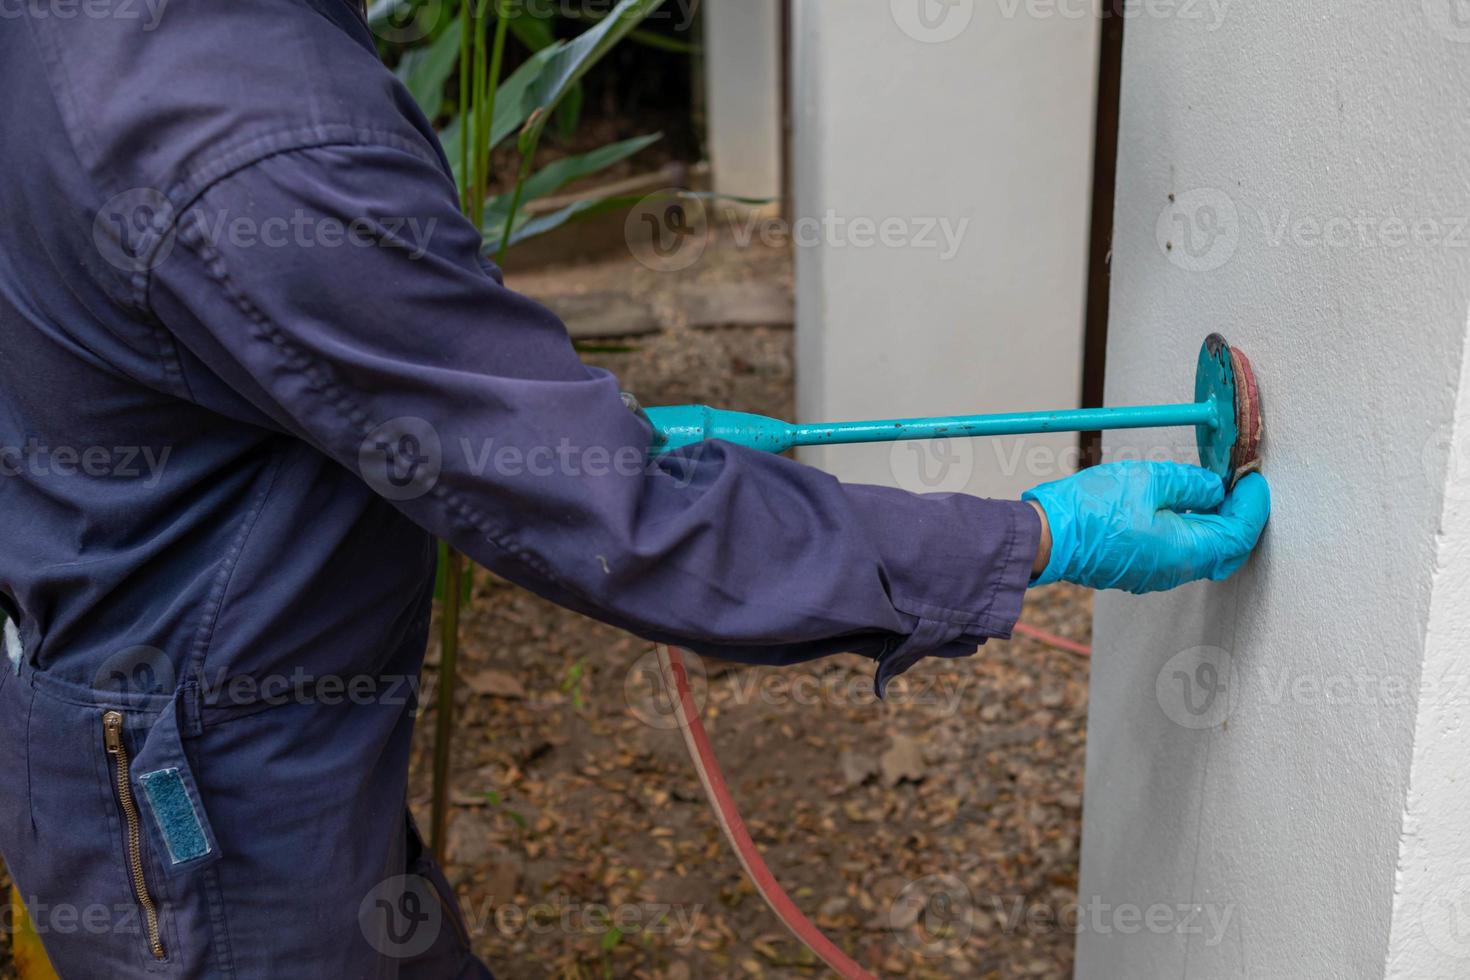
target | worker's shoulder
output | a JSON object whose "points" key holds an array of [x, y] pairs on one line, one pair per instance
{"points": [[172, 96]]}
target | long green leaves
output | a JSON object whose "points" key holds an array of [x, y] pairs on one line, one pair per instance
{"points": [[548, 85], [536, 32], [506, 222], [561, 74], [512, 107], [556, 175], [575, 59], [425, 69]]}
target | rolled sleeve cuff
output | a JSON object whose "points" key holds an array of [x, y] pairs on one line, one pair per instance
{"points": [[959, 565]]}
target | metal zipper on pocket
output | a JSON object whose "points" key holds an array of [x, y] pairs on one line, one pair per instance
{"points": [[112, 726]]}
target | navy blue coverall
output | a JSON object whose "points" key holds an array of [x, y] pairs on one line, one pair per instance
{"points": [[251, 364]]}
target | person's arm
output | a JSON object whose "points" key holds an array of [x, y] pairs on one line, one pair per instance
{"points": [[399, 354]]}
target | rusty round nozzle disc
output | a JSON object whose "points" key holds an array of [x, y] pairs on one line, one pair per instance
{"points": [[1226, 376]]}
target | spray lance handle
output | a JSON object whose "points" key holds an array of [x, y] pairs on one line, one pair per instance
{"points": [[677, 426]]}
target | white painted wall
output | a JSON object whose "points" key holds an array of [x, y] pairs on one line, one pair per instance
{"points": [[1263, 769], [965, 127], [742, 63]]}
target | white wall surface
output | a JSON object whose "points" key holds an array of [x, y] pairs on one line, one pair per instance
{"points": [[1264, 771], [964, 128], [742, 62]]}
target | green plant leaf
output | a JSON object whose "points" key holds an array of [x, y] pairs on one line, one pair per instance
{"points": [[575, 59], [556, 175], [663, 42], [533, 31], [513, 105], [536, 33], [426, 68], [569, 113], [526, 228], [511, 110], [652, 39]]}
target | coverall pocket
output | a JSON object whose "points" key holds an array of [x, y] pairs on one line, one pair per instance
{"points": [[166, 790], [120, 770], [103, 832], [164, 828]]}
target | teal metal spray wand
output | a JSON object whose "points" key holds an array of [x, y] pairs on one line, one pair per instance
{"points": [[1225, 414]]}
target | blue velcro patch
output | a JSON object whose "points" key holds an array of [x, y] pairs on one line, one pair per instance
{"points": [[174, 811]]}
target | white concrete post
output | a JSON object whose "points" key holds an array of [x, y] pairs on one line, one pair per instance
{"points": [[943, 179], [1278, 768], [742, 62]]}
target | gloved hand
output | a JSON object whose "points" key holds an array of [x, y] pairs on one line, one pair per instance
{"points": [[1146, 527]]}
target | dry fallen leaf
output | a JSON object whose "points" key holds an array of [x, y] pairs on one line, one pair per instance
{"points": [[904, 760], [496, 684]]}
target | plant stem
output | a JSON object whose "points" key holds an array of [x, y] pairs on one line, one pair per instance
{"points": [[479, 80], [489, 86], [444, 716], [515, 204], [474, 179], [466, 111]]}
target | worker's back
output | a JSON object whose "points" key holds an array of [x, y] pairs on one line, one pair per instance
{"points": [[181, 563], [145, 501]]}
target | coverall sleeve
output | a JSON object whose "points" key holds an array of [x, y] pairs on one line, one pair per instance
{"points": [[394, 349]]}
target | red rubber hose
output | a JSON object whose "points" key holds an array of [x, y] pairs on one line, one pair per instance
{"points": [[1052, 640], [702, 753], [676, 680]]}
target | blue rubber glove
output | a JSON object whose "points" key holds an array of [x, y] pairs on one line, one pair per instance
{"points": [[1146, 527]]}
